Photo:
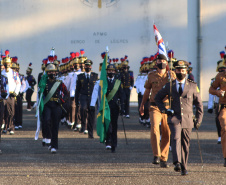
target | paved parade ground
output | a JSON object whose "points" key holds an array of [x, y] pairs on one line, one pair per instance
{"points": [[80, 160]]}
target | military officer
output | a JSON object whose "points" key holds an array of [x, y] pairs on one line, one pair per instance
{"points": [[4, 91], [84, 88], [14, 89], [54, 95], [139, 85], [127, 80], [184, 94], [43, 70], [75, 111], [18, 103], [213, 102], [156, 80], [31, 82], [220, 82]]}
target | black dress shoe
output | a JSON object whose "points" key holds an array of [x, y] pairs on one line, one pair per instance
{"points": [[184, 172], [90, 137], [156, 160], [43, 143], [225, 162], [112, 149], [163, 164], [177, 167]]}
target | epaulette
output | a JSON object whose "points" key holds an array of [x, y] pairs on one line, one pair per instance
{"points": [[191, 81]]}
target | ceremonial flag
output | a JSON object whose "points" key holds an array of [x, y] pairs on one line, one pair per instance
{"points": [[103, 117], [159, 42]]}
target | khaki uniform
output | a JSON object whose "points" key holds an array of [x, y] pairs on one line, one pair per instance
{"points": [[221, 82], [155, 82]]}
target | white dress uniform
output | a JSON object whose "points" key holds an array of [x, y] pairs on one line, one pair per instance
{"points": [[14, 89], [139, 84]]}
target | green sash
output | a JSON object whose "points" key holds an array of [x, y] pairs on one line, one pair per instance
{"points": [[114, 90], [51, 92]]}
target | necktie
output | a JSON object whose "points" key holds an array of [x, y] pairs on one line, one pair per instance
{"points": [[88, 77], [180, 89]]}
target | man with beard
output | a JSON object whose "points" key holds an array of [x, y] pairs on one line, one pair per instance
{"points": [[156, 80], [31, 82], [84, 88], [54, 95], [14, 89], [184, 94]]}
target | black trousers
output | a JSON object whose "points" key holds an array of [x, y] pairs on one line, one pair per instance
{"points": [[50, 123], [127, 98], [2, 109], [9, 113], [146, 107], [111, 137], [180, 142], [29, 93], [18, 111], [87, 115]]}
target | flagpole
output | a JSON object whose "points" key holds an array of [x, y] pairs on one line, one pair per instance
{"points": [[104, 94]]}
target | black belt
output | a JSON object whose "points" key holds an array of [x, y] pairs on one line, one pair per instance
{"points": [[165, 103], [223, 106]]}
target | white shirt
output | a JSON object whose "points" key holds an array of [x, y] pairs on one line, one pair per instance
{"points": [[177, 84], [14, 83], [140, 82], [73, 83]]}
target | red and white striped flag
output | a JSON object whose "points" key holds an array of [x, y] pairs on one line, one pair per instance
{"points": [[159, 42]]}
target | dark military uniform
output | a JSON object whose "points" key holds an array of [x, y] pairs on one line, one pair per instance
{"points": [[19, 106], [111, 138], [32, 82], [127, 80], [40, 76], [181, 123], [83, 93], [52, 112], [4, 90]]}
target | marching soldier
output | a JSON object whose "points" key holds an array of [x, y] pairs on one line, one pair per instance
{"points": [[43, 70], [4, 91], [139, 85], [14, 89], [18, 103], [84, 88], [156, 80], [127, 80], [184, 93], [75, 111], [55, 93], [114, 93], [213, 102], [31, 82], [220, 83]]}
